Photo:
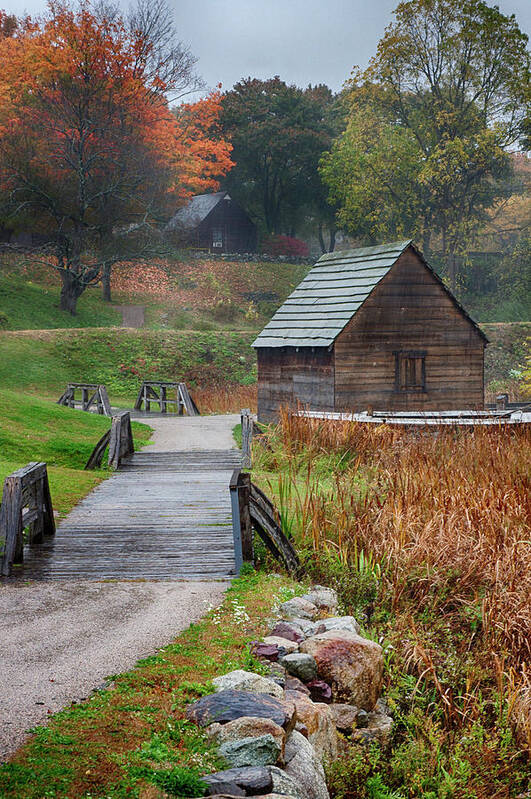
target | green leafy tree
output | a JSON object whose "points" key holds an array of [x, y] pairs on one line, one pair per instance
{"points": [[278, 133], [423, 152]]}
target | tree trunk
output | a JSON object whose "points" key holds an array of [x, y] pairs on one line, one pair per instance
{"points": [[106, 283], [321, 238], [333, 231], [71, 290]]}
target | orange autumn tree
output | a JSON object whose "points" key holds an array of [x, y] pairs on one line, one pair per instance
{"points": [[90, 152]]}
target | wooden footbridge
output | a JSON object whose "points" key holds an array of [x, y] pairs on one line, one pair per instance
{"points": [[163, 515]]}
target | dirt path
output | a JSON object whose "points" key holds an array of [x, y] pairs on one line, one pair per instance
{"points": [[60, 640], [132, 315]]}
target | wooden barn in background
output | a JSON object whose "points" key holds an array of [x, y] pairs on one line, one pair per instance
{"points": [[370, 328], [216, 223]]}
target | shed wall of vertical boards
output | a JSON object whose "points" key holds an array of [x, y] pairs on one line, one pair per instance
{"points": [[409, 310], [289, 375]]}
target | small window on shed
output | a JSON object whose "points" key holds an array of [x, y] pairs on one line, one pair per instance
{"points": [[217, 237], [410, 370]]}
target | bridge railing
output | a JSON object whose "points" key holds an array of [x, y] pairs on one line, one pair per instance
{"points": [[166, 394], [26, 503], [252, 509], [119, 439], [92, 395]]}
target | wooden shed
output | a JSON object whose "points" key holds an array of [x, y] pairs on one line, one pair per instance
{"points": [[214, 222], [370, 328]]}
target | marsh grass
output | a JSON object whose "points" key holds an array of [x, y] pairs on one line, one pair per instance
{"points": [[427, 535]]}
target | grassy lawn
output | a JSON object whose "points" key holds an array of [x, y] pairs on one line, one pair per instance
{"points": [[33, 429], [27, 304], [125, 741]]}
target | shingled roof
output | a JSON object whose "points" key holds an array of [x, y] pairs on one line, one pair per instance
{"points": [[191, 215], [329, 296], [331, 293]]}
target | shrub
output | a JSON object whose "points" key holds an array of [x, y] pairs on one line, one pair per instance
{"points": [[285, 245]]}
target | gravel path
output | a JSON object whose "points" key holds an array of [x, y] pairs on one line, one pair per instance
{"points": [[60, 640], [189, 432]]}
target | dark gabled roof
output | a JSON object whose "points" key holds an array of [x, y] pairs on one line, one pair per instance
{"points": [[196, 211], [331, 293]]}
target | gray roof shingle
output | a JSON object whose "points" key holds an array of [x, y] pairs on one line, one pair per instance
{"points": [[329, 296], [191, 215]]}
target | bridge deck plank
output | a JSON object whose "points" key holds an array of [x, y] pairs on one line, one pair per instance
{"points": [[163, 516]]}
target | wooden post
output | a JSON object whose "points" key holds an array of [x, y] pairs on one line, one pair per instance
{"points": [[121, 443], [236, 524], [247, 435], [84, 398], [163, 405], [501, 402], [244, 493], [25, 487]]}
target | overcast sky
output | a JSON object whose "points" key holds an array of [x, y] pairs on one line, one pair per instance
{"points": [[303, 41]]}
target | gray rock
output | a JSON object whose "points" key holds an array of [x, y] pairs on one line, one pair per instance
{"points": [[344, 717], [285, 785], [362, 719], [323, 598], [378, 728], [337, 623], [229, 705], [307, 627], [298, 608], [283, 629], [304, 767], [246, 727], [261, 751], [300, 665], [250, 781], [240, 680], [285, 646]]}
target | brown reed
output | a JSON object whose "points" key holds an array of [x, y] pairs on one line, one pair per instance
{"points": [[447, 515]]}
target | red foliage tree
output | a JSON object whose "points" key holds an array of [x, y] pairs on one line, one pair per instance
{"points": [[89, 148]]}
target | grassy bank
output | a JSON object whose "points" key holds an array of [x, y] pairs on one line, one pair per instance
{"points": [[33, 429], [427, 539], [132, 739], [42, 362]]}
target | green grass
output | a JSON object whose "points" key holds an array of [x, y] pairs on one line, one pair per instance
{"points": [[122, 742], [43, 362], [27, 305], [33, 429]]}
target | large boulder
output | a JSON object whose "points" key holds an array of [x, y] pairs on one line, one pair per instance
{"points": [[240, 680], [261, 751], [300, 665], [322, 597], [298, 608], [228, 705], [337, 623], [303, 765], [352, 665], [318, 724], [250, 781]]}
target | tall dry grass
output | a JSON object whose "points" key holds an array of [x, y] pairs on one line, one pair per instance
{"points": [[447, 516], [225, 398]]}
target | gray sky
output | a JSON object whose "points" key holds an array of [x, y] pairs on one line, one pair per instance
{"points": [[303, 41]]}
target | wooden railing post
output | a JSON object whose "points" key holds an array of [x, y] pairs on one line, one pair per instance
{"points": [[247, 437], [236, 522], [121, 444], [26, 488]]}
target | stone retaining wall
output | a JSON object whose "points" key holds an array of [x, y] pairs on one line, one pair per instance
{"points": [[322, 687]]}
